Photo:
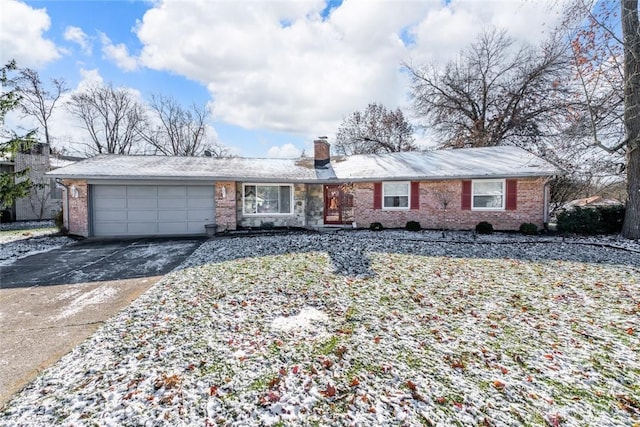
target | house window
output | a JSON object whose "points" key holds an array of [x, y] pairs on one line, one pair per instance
{"points": [[395, 195], [488, 194], [267, 199], [55, 190]]}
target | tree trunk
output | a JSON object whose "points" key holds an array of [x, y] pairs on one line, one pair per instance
{"points": [[631, 226], [631, 35]]}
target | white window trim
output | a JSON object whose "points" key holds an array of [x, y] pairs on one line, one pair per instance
{"points": [[291, 196], [408, 183], [473, 194]]}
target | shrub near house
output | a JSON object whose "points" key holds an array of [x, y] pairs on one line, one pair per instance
{"points": [[591, 220]]}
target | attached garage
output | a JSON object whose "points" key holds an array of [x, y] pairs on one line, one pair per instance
{"points": [[151, 210]]}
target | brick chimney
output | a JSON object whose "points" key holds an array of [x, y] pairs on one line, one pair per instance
{"points": [[321, 150]]}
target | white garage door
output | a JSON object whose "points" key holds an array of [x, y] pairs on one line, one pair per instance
{"points": [[144, 210]]}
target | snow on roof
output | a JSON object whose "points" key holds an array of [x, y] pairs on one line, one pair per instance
{"points": [[461, 163], [56, 162], [443, 164], [194, 168]]}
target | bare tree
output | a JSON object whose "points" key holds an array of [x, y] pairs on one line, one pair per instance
{"points": [[606, 51], [36, 100], [495, 93], [598, 113], [217, 150], [40, 197], [177, 131], [112, 116], [593, 139], [566, 188], [377, 130]]}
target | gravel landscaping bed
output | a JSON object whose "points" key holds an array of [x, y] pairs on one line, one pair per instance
{"points": [[364, 328], [19, 239]]}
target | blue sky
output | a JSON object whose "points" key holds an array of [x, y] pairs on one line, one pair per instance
{"points": [[276, 74], [116, 19]]}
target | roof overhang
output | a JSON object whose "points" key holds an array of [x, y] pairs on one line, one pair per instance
{"points": [[211, 179], [138, 178]]}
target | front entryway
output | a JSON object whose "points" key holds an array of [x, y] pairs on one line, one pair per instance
{"points": [[332, 211], [338, 205]]}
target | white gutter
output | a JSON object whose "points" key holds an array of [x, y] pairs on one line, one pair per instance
{"points": [[545, 198], [298, 180]]}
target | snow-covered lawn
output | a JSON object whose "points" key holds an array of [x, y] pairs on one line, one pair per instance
{"points": [[18, 240], [362, 328]]}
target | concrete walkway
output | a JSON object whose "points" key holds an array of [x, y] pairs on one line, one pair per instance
{"points": [[51, 302]]}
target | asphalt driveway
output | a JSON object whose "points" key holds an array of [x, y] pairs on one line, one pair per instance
{"points": [[52, 301], [95, 260]]}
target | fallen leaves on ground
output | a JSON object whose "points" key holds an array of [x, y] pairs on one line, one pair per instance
{"points": [[265, 330]]}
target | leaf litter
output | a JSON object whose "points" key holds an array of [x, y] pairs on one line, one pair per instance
{"points": [[363, 329]]}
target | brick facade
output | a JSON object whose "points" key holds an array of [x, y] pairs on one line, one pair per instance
{"points": [[440, 207], [321, 152], [225, 206], [76, 215]]}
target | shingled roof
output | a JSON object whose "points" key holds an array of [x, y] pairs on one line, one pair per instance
{"points": [[487, 162], [194, 169]]}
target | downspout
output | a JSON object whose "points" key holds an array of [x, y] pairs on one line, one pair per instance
{"points": [[545, 196], [65, 214]]}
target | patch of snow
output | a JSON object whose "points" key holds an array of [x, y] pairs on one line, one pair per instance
{"points": [[416, 329], [94, 297], [69, 293], [160, 254], [16, 244], [308, 318]]}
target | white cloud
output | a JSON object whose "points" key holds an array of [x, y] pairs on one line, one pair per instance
{"points": [[282, 67], [284, 151], [21, 35], [118, 53], [300, 77], [89, 78], [445, 30], [76, 35]]}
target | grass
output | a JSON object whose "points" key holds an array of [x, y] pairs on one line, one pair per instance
{"points": [[6, 235], [420, 341]]}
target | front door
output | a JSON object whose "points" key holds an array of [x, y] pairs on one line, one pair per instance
{"points": [[332, 204]]}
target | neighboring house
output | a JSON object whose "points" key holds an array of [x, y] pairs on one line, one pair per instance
{"points": [[45, 198], [591, 202], [112, 195]]}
